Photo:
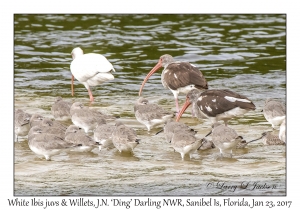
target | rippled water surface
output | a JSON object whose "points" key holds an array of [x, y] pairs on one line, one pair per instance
{"points": [[244, 53]]}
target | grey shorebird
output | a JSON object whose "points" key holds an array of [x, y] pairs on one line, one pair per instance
{"points": [[36, 119], [61, 109], [87, 118], [22, 125], [282, 131], [185, 142], [76, 136], [103, 135], [124, 138], [225, 138], [170, 127], [46, 144], [274, 112], [150, 114]]}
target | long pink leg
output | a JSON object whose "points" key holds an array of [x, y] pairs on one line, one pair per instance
{"points": [[91, 95]]}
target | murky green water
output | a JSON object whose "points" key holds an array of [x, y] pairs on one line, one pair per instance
{"points": [[244, 53]]}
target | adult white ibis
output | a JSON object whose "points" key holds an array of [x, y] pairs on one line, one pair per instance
{"points": [[150, 114], [90, 69], [179, 77], [274, 112], [124, 138], [217, 104]]}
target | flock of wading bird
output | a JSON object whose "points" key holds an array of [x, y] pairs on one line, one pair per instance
{"points": [[49, 137]]}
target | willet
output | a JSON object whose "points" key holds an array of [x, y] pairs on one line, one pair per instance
{"points": [[274, 112], [124, 138], [54, 127], [171, 126], [61, 109], [47, 144], [184, 143], [282, 131], [35, 119], [22, 125], [225, 138], [178, 77], [103, 135], [150, 114], [90, 69], [86, 118], [217, 105], [76, 136]]}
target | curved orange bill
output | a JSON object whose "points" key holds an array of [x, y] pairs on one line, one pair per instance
{"points": [[184, 107], [155, 68], [72, 85]]}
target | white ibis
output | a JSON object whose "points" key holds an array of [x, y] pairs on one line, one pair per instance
{"points": [[47, 144], [86, 118], [61, 109], [225, 138], [103, 135], [124, 138], [269, 139], [90, 69], [217, 104], [282, 131], [150, 114], [22, 125], [184, 142], [76, 136], [274, 112], [179, 77]]}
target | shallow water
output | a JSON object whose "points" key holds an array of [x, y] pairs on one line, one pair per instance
{"points": [[244, 53]]}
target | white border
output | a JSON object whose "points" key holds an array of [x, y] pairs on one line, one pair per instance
{"points": [[8, 8]]}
